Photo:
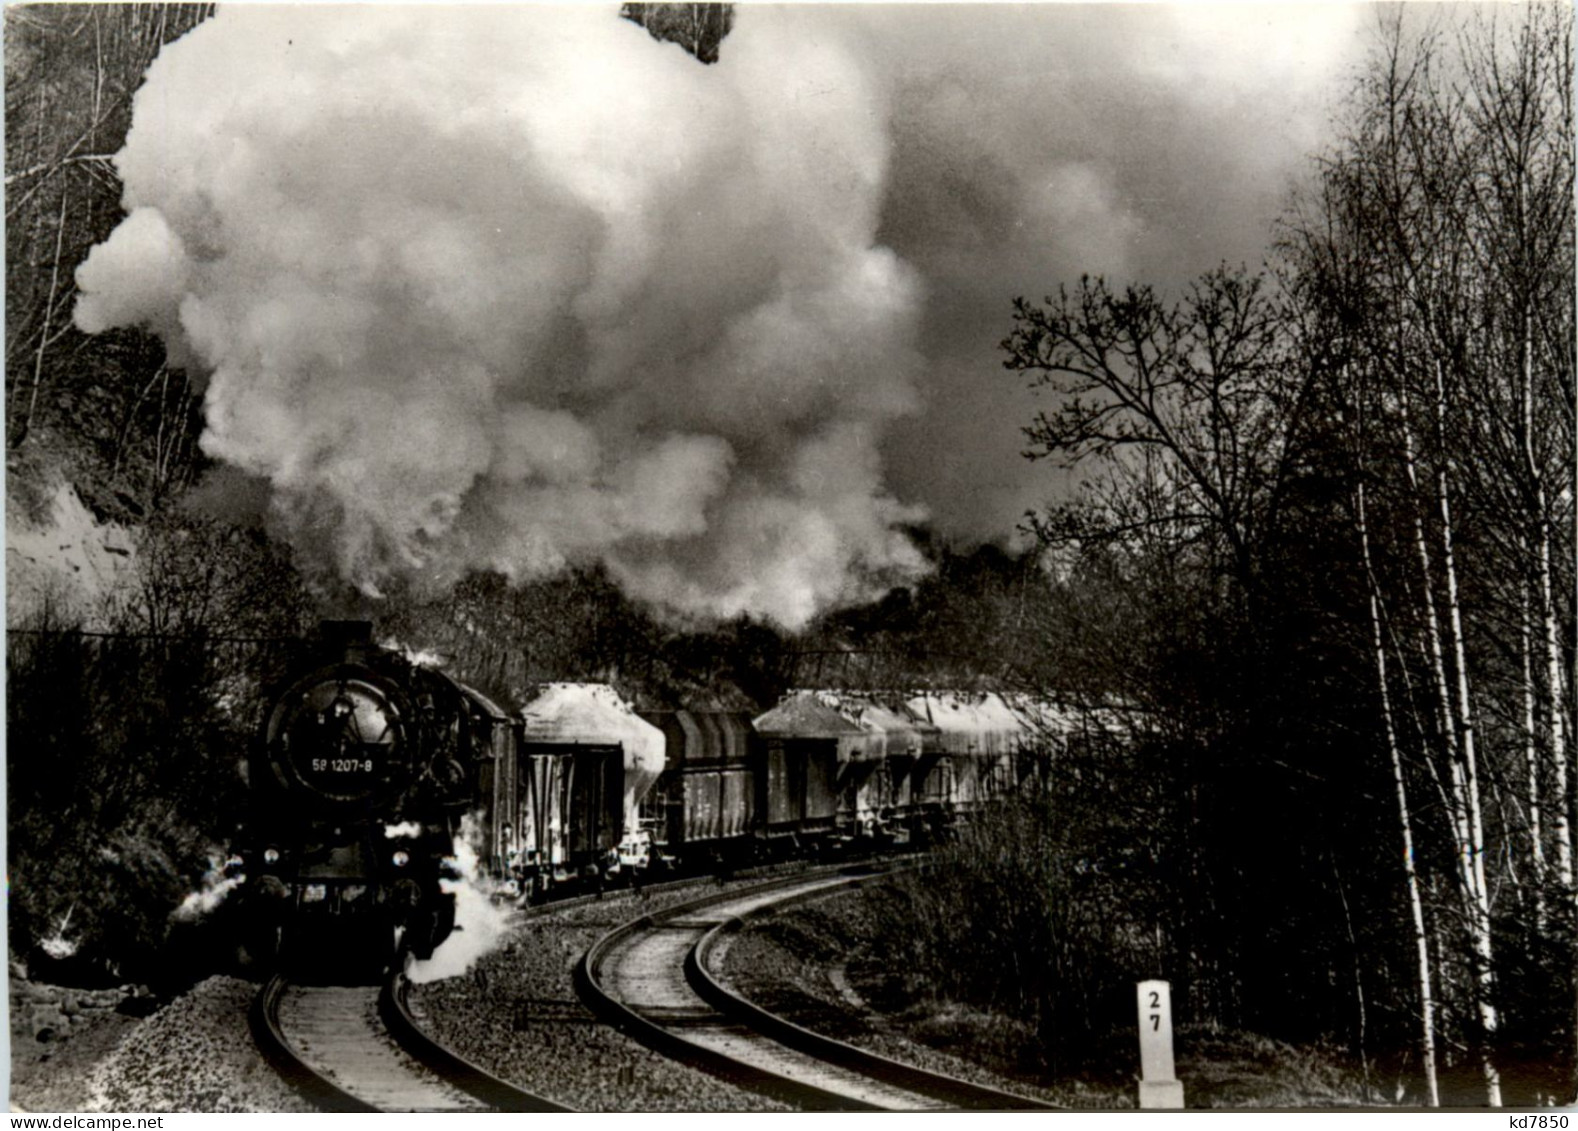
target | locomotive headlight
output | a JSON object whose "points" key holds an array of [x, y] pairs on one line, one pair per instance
{"points": [[401, 858], [271, 856]]}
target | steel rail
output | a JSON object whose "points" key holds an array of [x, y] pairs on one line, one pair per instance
{"points": [[883, 1075], [655, 1036], [951, 1090], [394, 1010], [314, 1087], [442, 1077]]}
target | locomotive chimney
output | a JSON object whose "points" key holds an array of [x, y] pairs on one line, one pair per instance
{"points": [[349, 639]]}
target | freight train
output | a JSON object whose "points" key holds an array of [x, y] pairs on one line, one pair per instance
{"points": [[369, 765]]}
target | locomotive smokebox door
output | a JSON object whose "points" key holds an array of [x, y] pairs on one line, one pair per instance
{"points": [[342, 739]]}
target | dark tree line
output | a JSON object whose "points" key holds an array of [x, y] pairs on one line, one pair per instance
{"points": [[123, 744]]}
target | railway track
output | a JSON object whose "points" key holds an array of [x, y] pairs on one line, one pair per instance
{"points": [[650, 979], [360, 1049], [363, 1048]]}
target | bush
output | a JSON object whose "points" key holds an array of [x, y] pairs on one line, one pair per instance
{"points": [[1045, 911]]}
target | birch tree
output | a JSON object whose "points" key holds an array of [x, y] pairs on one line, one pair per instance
{"points": [[1441, 242]]}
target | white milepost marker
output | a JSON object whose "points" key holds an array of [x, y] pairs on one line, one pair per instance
{"points": [[1158, 1088]]}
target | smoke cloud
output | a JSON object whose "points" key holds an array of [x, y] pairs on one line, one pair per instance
{"points": [[505, 288]]}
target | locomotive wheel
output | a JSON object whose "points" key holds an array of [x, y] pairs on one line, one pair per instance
{"points": [[260, 947], [428, 927]]}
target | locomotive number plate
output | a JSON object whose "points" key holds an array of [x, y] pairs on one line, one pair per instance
{"points": [[342, 765]]}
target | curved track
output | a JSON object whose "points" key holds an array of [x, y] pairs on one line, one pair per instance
{"points": [[649, 978], [359, 1049]]}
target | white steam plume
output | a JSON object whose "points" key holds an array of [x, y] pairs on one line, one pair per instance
{"points": [[211, 893], [480, 924], [505, 287]]}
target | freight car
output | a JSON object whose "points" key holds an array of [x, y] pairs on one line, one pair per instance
{"points": [[581, 763], [702, 811], [830, 771], [898, 767]]}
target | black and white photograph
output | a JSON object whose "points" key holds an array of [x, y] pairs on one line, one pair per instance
{"points": [[767, 558]]}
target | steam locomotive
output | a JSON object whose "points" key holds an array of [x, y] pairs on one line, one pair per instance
{"points": [[363, 772]]}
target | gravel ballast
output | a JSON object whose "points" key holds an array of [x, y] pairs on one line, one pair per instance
{"points": [[517, 1015], [793, 963], [195, 1054]]}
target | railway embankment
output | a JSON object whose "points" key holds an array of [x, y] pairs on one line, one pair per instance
{"points": [[815, 964], [192, 1054]]}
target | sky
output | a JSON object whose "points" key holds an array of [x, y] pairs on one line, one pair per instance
{"points": [[1037, 143], [508, 287]]}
